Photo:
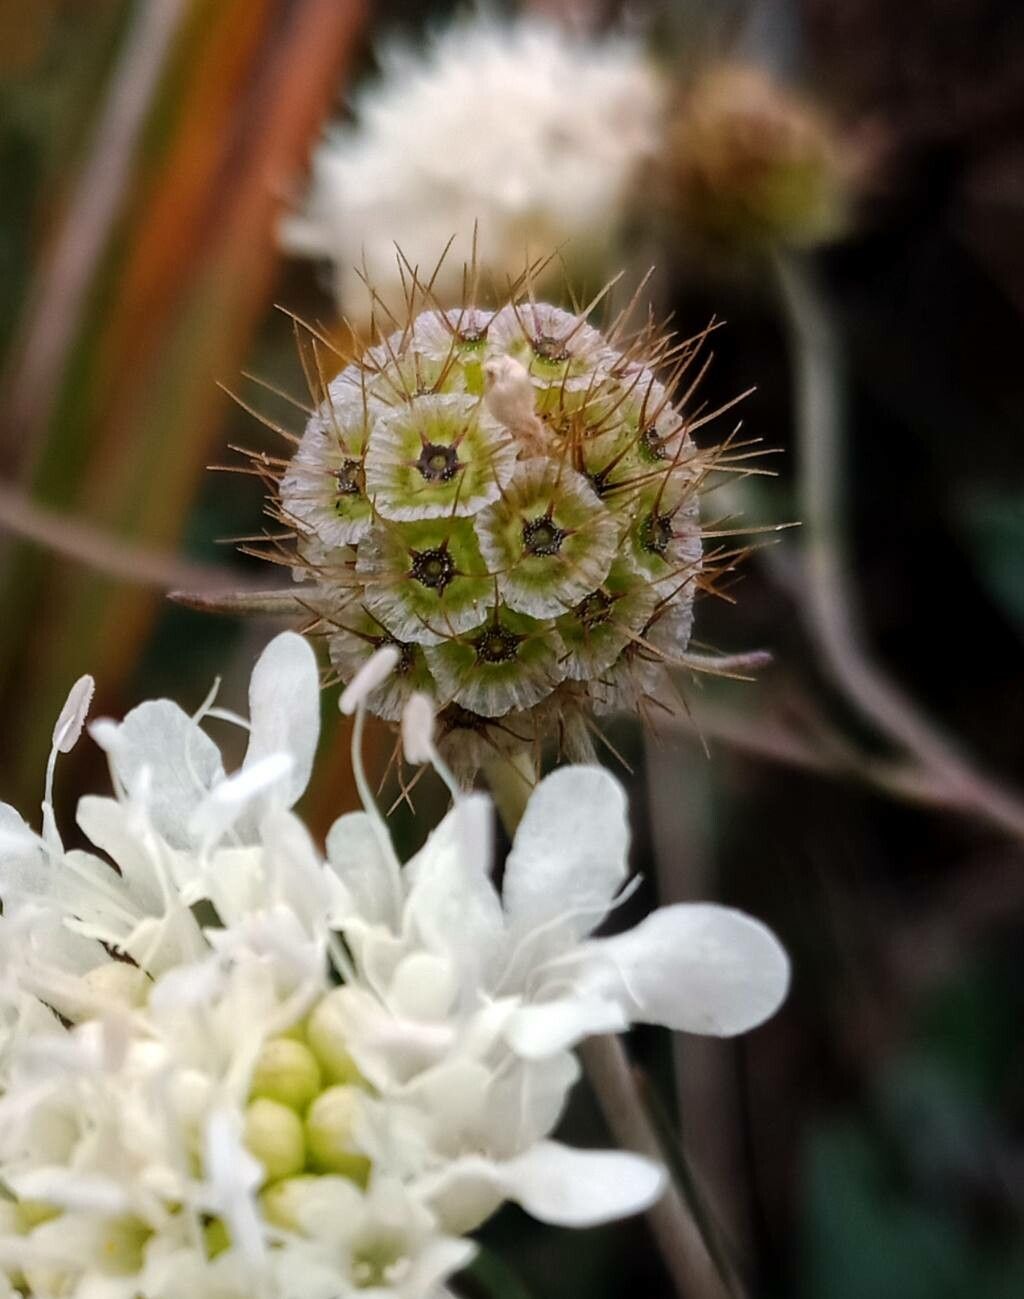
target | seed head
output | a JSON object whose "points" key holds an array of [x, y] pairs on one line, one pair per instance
{"points": [[510, 501]]}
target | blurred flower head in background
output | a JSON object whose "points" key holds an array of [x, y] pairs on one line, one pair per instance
{"points": [[751, 163], [537, 137]]}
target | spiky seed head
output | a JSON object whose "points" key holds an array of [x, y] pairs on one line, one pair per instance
{"points": [[510, 500]]}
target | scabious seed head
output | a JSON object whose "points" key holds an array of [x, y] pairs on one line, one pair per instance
{"points": [[510, 498], [752, 164]]}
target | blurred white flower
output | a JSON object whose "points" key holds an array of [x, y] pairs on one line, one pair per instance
{"points": [[537, 136], [318, 1080]]}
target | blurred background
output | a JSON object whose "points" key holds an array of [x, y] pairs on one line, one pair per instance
{"points": [[842, 183]]}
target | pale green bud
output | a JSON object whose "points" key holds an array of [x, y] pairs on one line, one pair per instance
{"points": [[286, 1071], [273, 1133], [325, 1032], [330, 1125], [282, 1202], [30, 1213]]}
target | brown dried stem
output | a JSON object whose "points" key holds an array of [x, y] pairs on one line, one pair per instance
{"points": [[110, 556], [828, 603], [674, 1228]]}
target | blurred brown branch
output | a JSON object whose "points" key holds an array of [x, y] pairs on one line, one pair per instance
{"points": [[110, 556], [675, 1230], [54, 313]]}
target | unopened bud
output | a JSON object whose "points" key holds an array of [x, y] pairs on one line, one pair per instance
{"points": [[282, 1202], [286, 1071], [330, 1126], [326, 1034], [273, 1134]]}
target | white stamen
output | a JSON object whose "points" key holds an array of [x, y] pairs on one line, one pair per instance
{"points": [[418, 729], [72, 715], [375, 670]]}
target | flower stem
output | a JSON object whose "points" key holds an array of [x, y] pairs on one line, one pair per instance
{"points": [[828, 604], [674, 1228], [511, 779]]}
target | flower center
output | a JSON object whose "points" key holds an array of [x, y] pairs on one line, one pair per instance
{"points": [[303, 1109], [595, 610], [652, 444], [656, 533], [497, 645], [551, 349], [542, 537], [438, 463], [433, 568], [348, 478]]}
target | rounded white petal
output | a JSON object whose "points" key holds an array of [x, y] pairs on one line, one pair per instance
{"points": [[183, 764], [569, 856], [694, 967], [284, 709], [538, 1031]]}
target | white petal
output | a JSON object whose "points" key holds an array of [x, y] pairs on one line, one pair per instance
{"points": [[452, 906], [569, 856], [423, 987], [697, 968], [439, 1260], [284, 709], [234, 797], [538, 1031], [356, 854], [527, 1102], [183, 763], [581, 1188], [552, 1182], [70, 1190]]}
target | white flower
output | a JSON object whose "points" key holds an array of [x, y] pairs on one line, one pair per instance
{"points": [[535, 135], [234, 1067]]}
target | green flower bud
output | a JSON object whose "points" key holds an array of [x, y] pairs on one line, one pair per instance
{"points": [[326, 1033], [274, 1135], [282, 1201], [30, 1213], [286, 1071], [330, 1126]]}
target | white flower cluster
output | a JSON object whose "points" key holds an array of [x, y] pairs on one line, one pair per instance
{"points": [[233, 1066], [536, 137]]}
